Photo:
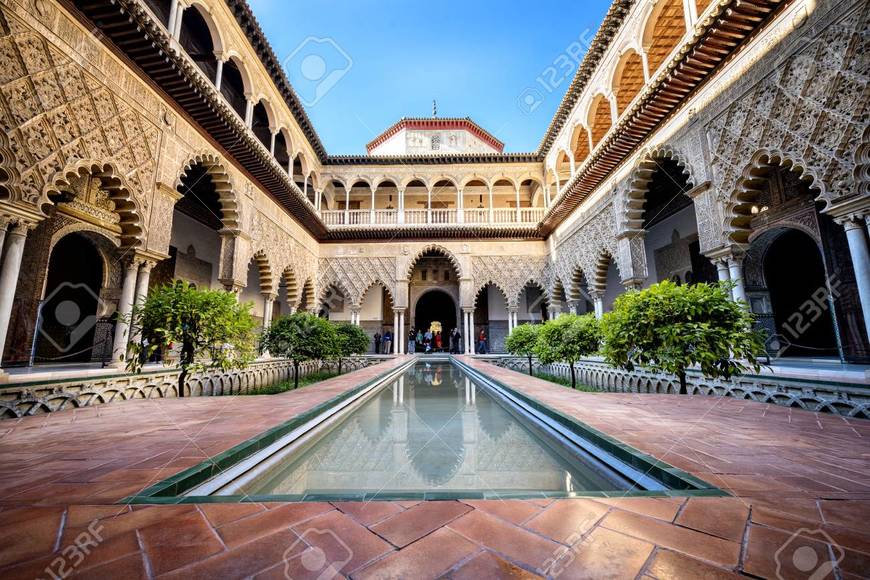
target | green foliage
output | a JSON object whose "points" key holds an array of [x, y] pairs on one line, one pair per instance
{"points": [[566, 382], [301, 337], [350, 340], [670, 328], [522, 341], [210, 327], [568, 338]]}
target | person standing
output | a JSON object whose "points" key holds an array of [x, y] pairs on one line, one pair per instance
{"points": [[412, 342], [388, 342], [377, 338], [481, 342], [438, 343]]}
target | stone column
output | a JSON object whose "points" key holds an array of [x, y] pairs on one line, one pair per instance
{"points": [[512, 318], [142, 290], [125, 306], [268, 307], [722, 270], [857, 238], [460, 206], [395, 331], [400, 204], [346, 205], [402, 347], [219, 75], [572, 306], [173, 14], [272, 134], [735, 269], [518, 203], [249, 113], [17, 235], [429, 206], [598, 302], [179, 18], [491, 209], [467, 334]]}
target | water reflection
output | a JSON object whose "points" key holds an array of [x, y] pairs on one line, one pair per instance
{"points": [[431, 429]]}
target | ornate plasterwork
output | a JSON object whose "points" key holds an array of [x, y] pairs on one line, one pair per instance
{"points": [[56, 115], [511, 274], [584, 248], [808, 113], [356, 275]]}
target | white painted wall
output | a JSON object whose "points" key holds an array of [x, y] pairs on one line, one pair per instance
{"points": [[187, 232], [660, 236]]}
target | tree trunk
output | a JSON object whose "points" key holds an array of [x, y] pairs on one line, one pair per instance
{"points": [[185, 359], [339, 366], [573, 376], [683, 389], [531, 374], [295, 374], [182, 378]]}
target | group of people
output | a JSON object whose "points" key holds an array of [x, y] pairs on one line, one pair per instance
{"points": [[427, 342]]}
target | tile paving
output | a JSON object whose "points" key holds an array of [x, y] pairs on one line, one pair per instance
{"points": [[800, 481]]}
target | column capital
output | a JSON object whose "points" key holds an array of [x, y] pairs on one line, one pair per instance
{"points": [[270, 295], [233, 288]]}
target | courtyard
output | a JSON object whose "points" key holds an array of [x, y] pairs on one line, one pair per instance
{"points": [[572, 290], [794, 480]]}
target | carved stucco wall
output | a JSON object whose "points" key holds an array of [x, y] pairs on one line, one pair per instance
{"points": [[69, 107]]}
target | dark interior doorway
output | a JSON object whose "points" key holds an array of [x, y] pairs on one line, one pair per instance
{"points": [[70, 310], [795, 275], [435, 306]]}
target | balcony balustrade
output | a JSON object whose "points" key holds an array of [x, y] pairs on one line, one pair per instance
{"points": [[437, 216]]}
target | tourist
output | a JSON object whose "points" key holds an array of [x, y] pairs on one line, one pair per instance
{"points": [[438, 344], [388, 342], [481, 342], [412, 342], [455, 341], [419, 339], [377, 338]]}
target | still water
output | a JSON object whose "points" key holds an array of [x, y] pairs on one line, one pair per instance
{"points": [[433, 429]]}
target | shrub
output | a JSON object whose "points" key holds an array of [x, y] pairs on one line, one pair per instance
{"points": [[522, 341], [567, 339], [669, 328], [301, 337]]}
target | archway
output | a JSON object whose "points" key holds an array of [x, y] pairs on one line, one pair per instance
{"points": [[197, 40], [434, 269], [71, 304], [795, 273], [436, 311], [491, 316]]}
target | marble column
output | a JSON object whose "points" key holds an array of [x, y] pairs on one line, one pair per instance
{"points": [[467, 334], [857, 238], [16, 237], [598, 301], [395, 331], [142, 281], [219, 75], [125, 306], [722, 270], [735, 269], [268, 307], [402, 342]]}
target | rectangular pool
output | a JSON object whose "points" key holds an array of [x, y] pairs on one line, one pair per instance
{"points": [[434, 428]]}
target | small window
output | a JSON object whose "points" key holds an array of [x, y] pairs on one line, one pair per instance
{"points": [[436, 142]]}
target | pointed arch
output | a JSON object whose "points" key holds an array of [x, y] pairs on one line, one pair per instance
{"points": [[307, 296], [372, 284], [113, 182], [739, 212], [482, 286], [223, 185], [291, 283], [264, 272], [434, 249], [599, 118], [580, 143], [641, 176], [602, 268]]}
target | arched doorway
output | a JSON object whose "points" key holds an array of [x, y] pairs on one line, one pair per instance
{"points": [[71, 305], [436, 310], [794, 275]]}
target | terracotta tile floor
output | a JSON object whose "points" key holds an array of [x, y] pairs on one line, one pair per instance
{"points": [[801, 483]]}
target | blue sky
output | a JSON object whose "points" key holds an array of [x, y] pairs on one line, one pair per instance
{"points": [[361, 65]]}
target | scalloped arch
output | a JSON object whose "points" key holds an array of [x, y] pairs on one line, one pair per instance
{"points": [[222, 183]]}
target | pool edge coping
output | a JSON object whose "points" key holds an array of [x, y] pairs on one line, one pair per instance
{"points": [[167, 491]]}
